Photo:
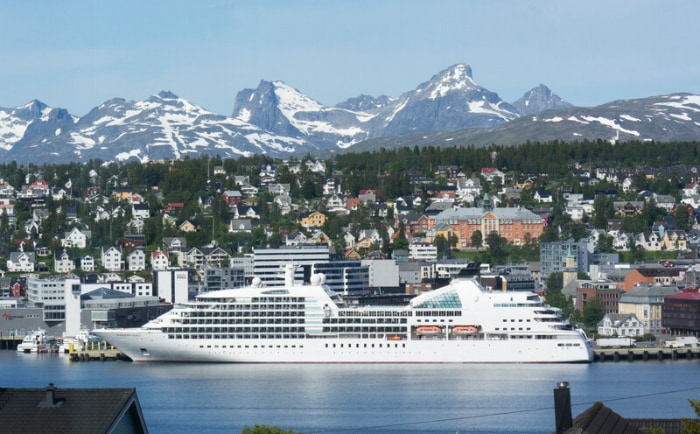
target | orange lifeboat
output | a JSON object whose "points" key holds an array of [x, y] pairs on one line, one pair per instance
{"points": [[428, 330], [465, 330], [394, 338]]}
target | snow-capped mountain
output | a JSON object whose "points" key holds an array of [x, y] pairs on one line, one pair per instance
{"points": [[281, 109], [662, 118], [163, 126], [14, 122], [450, 100], [539, 99], [278, 120]]}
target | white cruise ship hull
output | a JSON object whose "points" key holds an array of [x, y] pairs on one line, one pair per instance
{"points": [[153, 346], [459, 323]]}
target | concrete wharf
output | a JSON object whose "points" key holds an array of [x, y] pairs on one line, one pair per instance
{"points": [[645, 354]]}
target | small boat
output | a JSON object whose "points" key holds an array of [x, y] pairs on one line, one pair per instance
{"points": [[84, 340], [395, 338], [37, 342], [428, 330], [465, 330]]}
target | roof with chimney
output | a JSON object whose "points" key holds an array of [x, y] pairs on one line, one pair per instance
{"points": [[599, 419], [55, 410]]}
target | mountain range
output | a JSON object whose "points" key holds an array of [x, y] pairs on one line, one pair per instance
{"points": [[450, 109]]}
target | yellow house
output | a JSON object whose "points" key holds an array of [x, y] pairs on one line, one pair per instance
{"points": [[314, 219], [364, 244], [186, 226], [674, 240], [446, 231]]}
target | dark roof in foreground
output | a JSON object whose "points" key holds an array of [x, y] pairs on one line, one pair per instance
{"points": [[599, 419], [52, 410]]}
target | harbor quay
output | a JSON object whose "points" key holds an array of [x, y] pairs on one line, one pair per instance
{"points": [[645, 354], [109, 353]]}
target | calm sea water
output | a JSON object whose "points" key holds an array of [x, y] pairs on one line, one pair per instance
{"points": [[222, 398]]}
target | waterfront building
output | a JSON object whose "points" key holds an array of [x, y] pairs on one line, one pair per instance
{"points": [[269, 263], [621, 324], [646, 303], [681, 313]]}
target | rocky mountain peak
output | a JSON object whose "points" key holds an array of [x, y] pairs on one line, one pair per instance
{"points": [[539, 99], [455, 78]]}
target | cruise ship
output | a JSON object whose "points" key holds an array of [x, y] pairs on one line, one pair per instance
{"points": [[308, 323]]}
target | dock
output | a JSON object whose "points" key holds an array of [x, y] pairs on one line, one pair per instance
{"points": [[645, 354]]}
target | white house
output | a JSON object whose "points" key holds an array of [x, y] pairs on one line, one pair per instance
{"points": [[87, 263], [21, 261], [112, 259], [240, 225], [620, 324], [136, 260], [63, 261], [160, 260], [141, 210], [468, 189], [543, 196], [75, 239]]}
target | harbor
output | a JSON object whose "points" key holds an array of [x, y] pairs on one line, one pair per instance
{"points": [[105, 352], [100, 351]]}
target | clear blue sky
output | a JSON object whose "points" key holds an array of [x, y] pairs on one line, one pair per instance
{"points": [[77, 54]]}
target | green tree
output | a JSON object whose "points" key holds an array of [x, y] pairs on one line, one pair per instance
{"points": [[443, 246], [682, 217], [477, 239], [692, 426], [555, 281], [593, 312], [498, 248], [604, 243]]}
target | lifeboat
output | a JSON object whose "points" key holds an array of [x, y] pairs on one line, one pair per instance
{"points": [[395, 338], [428, 330], [465, 330]]}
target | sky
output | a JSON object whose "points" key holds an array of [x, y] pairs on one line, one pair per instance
{"points": [[77, 54]]}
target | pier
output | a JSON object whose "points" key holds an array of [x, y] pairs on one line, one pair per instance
{"points": [[645, 354]]}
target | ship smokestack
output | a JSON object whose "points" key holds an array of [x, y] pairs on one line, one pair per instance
{"points": [[562, 407], [289, 275]]}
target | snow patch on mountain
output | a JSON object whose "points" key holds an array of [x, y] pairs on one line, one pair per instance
{"points": [[611, 123], [630, 118], [458, 77], [685, 102]]}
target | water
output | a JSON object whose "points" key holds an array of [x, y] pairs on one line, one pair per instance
{"points": [[222, 398]]}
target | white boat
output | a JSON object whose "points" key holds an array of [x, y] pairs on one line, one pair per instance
{"points": [[297, 323], [82, 341], [37, 342]]}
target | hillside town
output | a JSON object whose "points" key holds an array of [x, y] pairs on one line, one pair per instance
{"points": [[114, 241]]}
